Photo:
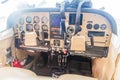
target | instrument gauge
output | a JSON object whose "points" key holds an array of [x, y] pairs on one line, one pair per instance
{"points": [[36, 19], [44, 19], [96, 26], [89, 26], [70, 30], [28, 19], [29, 27], [45, 27], [36, 27], [103, 27], [21, 21]]}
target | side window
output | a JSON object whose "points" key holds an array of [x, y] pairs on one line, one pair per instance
{"points": [[2, 23]]}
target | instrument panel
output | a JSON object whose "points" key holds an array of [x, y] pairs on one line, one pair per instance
{"points": [[42, 29]]}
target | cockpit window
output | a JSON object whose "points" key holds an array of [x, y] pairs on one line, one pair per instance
{"points": [[9, 6], [108, 6]]}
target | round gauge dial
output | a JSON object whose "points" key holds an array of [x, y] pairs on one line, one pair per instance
{"points": [[45, 27], [44, 19], [70, 30], [96, 26], [21, 21], [89, 26], [36, 27], [36, 19], [28, 19], [21, 28], [103, 26], [29, 27]]}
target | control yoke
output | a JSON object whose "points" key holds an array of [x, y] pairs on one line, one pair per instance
{"points": [[77, 23]]}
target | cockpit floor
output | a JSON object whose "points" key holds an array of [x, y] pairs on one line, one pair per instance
{"points": [[77, 65]]}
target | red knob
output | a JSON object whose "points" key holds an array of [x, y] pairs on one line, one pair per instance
{"points": [[16, 63], [65, 51]]}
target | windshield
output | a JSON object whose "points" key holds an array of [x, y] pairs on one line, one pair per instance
{"points": [[9, 6], [110, 6]]}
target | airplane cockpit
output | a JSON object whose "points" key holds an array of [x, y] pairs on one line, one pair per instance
{"points": [[72, 38]]}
